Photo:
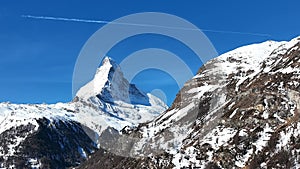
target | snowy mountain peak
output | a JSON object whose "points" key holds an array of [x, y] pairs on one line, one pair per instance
{"points": [[107, 71], [110, 85], [103, 75], [109, 61]]}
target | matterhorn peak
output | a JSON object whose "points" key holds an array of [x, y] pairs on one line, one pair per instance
{"points": [[110, 85], [110, 61], [94, 87]]}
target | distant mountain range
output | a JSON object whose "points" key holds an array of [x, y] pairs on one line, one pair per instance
{"points": [[239, 111]]}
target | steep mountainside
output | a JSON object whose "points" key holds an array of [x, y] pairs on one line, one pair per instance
{"points": [[64, 134], [239, 111]]}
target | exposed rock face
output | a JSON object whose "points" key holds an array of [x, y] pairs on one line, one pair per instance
{"points": [[239, 111]]}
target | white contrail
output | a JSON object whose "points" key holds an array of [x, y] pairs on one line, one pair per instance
{"points": [[136, 24]]}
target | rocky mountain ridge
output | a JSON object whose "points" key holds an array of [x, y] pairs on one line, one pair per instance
{"points": [[239, 111]]}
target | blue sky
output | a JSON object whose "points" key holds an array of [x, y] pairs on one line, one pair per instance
{"points": [[37, 57]]}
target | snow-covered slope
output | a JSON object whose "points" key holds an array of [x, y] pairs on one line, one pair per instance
{"points": [[45, 136], [239, 111], [107, 101]]}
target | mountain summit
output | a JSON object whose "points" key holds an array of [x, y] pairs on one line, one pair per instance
{"points": [[110, 85], [103, 75]]}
